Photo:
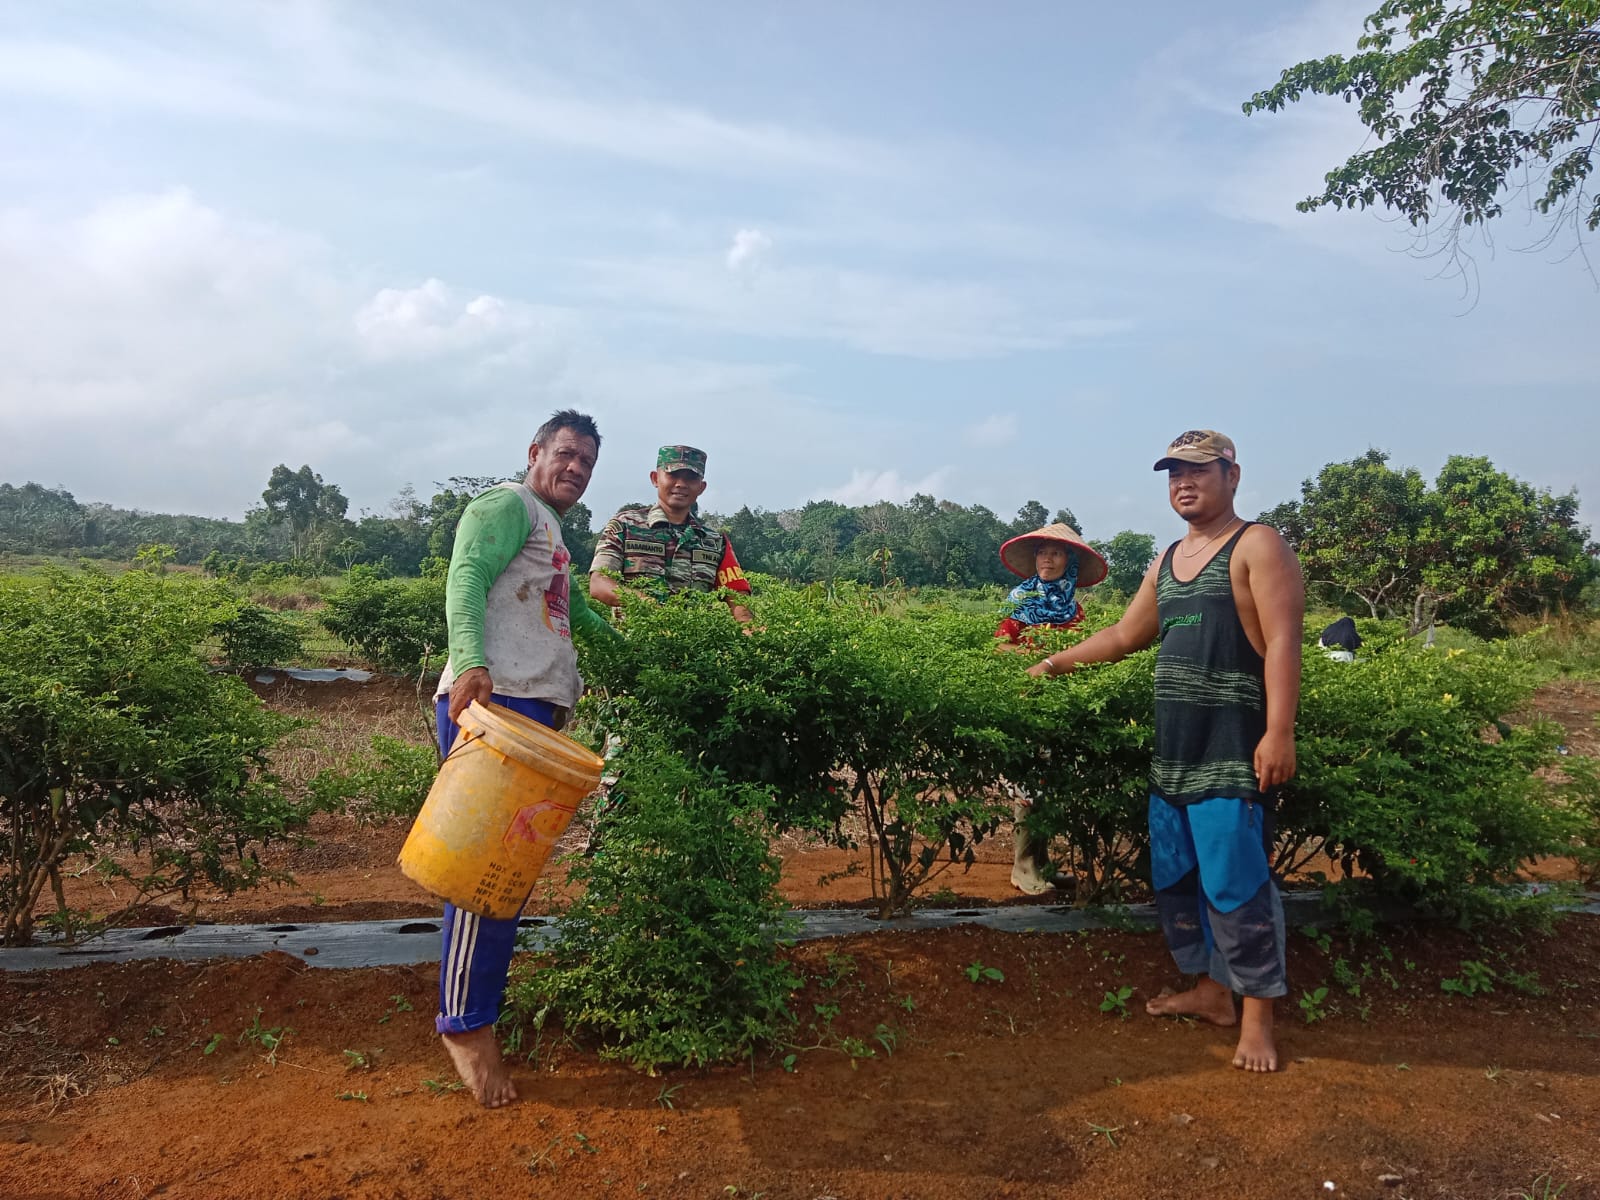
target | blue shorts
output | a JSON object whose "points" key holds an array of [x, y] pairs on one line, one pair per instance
{"points": [[1219, 907], [1224, 840]]}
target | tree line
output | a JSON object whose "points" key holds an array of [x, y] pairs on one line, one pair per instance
{"points": [[302, 526], [1474, 548], [921, 543]]}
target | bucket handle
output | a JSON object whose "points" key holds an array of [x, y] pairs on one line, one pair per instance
{"points": [[467, 736], [463, 737]]}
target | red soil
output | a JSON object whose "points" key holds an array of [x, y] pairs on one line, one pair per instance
{"points": [[1022, 1087], [1017, 1088]]}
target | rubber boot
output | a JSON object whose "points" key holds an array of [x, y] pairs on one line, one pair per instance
{"points": [[1030, 855]]}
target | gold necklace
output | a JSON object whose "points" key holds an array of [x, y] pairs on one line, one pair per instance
{"points": [[1209, 540]]}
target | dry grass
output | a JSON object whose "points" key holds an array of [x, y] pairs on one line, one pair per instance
{"points": [[56, 1089], [340, 727], [34, 1065], [1569, 642], [287, 601]]}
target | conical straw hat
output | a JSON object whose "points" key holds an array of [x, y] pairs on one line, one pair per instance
{"points": [[1017, 554]]}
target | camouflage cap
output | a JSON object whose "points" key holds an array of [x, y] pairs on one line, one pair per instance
{"points": [[681, 458], [1198, 446]]}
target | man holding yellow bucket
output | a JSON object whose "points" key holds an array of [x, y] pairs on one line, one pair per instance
{"points": [[508, 604]]}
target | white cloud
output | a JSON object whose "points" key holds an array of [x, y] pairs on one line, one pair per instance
{"points": [[162, 353], [169, 353], [868, 487], [146, 303], [1319, 29], [749, 247], [137, 77], [997, 429], [433, 320], [1257, 168]]}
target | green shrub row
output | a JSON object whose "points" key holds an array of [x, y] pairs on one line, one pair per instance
{"points": [[668, 956], [115, 734], [398, 625], [841, 703], [1411, 771], [253, 636], [387, 781]]}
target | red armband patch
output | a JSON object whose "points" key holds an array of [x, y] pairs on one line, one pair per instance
{"points": [[730, 574]]}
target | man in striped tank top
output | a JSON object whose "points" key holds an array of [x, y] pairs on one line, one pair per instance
{"points": [[1227, 604]]}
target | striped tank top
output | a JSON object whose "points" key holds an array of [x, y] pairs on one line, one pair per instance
{"points": [[1211, 698]]}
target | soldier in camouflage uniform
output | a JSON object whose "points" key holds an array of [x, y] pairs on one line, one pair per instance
{"points": [[660, 549], [664, 548]]}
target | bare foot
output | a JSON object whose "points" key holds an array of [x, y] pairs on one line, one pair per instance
{"points": [[476, 1055], [1257, 1051], [1207, 1001]]}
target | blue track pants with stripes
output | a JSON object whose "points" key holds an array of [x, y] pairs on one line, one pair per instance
{"points": [[477, 950]]}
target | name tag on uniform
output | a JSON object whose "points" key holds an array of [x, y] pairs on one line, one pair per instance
{"points": [[643, 545]]}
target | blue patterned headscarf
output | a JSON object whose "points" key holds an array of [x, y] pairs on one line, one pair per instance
{"points": [[1054, 603]]}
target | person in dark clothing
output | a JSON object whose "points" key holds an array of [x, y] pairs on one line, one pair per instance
{"points": [[1340, 641], [1227, 604]]}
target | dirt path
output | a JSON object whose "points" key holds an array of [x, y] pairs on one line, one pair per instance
{"points": [[349, 874], [1022, 1087]]}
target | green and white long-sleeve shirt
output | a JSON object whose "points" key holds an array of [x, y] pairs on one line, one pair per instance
{"points": [[508, 599]]}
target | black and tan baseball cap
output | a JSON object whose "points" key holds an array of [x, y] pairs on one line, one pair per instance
{"points": [[1198, 446]]}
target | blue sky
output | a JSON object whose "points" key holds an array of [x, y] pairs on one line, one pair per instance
{"points": [[990, 252]]}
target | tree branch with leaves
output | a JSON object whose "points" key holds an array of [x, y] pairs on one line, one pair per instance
{"points": [[1469, 102]]}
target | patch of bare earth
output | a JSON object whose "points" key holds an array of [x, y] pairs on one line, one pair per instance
{"points": [[1574, 704], [1017, 1087]]}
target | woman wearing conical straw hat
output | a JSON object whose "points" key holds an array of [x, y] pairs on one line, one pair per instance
{"points": [[1054, 562]]}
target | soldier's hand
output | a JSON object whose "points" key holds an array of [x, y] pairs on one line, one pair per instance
{"points": [[472, 684]]}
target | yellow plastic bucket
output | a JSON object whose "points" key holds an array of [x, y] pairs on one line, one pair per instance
{"points": [[504, 796]]}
